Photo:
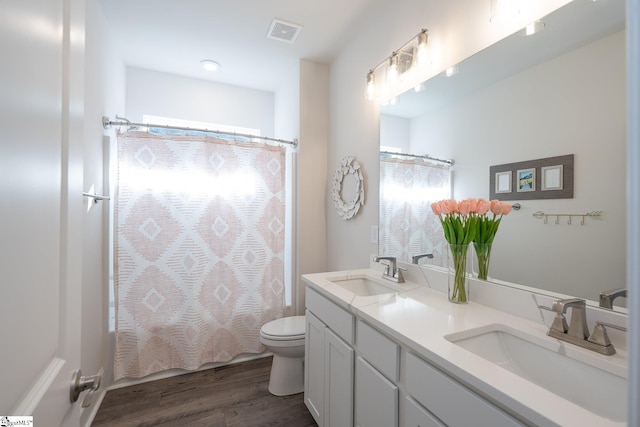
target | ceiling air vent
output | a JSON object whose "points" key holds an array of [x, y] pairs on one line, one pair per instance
{"points": [[284, 31]]}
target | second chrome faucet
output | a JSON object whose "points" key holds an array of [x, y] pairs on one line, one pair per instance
{"points": [[391, 271]]}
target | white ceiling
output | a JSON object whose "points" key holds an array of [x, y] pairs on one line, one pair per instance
{"points": [[173, 36]]}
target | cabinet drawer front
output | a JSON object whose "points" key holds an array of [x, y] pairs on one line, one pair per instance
{"points": [[376, 398], [337, 319], [380, 351], [448, 400], [416, 416]]}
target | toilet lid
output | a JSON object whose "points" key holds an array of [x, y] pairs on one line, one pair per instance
{"points": [[291, 327]]}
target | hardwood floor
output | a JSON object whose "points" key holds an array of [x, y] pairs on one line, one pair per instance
{"points": [[230, 396]]}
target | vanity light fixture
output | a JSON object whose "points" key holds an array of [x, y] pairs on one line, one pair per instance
{"points": [[210, 65], [398, 68]]}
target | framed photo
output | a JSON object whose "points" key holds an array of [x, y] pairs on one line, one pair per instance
{"points": [[503, 182], [551, 177], [526, 180]]}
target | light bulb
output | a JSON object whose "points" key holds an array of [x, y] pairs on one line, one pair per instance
{"points": [[392, 72], [421, 49], [371, 86]]}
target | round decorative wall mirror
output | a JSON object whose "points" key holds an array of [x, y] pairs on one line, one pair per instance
{"points": [[347, 189]]}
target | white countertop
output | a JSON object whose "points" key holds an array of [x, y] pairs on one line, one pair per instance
{"points": [[420, 318]]}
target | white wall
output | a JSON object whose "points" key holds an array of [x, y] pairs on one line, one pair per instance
{"points": [[312, 171], [104, 96], [456, 30], [573, 104], [287, 126], [168, 95]]}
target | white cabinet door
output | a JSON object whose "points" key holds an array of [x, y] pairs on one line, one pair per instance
{"points": [[416, 416], [338, 395], [376, 398], [314, 367]]}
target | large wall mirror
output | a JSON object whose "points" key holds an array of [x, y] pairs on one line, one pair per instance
{"points": [[557, 92]]}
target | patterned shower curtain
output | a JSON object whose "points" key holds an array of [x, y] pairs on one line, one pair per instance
{"points": [[199, 246], [407, 224]]}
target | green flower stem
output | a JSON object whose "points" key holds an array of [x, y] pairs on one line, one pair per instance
{"points": [[459, 291], [483, 253]]}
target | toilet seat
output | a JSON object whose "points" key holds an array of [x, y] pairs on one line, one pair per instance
{"points": [[284, 329]]}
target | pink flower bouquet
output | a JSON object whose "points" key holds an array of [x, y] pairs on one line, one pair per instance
{"points": [[464, 222]]}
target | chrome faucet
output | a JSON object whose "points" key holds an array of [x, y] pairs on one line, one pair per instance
{"points": [[416, 258], [577, 332], [391, 271], [607, 297]]}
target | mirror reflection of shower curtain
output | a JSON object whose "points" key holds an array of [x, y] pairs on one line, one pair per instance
{"points": [[406, 222], [198, 250]]}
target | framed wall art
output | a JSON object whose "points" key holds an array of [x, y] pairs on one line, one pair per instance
{"points": [[547, 178]]}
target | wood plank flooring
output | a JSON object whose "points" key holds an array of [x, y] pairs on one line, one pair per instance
{"points": [[231, 396]]}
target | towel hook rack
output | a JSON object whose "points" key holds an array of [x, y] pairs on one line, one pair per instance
{"points": [[595, 215]]}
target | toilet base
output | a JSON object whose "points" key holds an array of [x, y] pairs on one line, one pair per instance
{"points": [[287, 375]]}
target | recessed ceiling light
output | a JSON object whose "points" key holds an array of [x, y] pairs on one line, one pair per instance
{"points": [[210, 65]]}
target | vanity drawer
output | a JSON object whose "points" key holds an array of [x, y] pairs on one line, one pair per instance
{"points": [[448, 400], [337, 319], [380, 351]]}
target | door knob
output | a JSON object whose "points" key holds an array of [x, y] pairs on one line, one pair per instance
{"points": [[80, 383]]}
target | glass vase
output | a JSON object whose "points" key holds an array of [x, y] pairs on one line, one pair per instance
{"points": [[483, 254], [457, 277]]}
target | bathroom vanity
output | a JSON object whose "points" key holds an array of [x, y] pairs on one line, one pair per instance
{"points": [[400, 354]]}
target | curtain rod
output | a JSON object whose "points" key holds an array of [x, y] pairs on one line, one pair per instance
{"points": [[418, 156], [121, 121]]}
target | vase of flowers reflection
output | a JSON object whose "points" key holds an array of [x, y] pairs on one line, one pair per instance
{"points": [[487, 224], [458, 224]]}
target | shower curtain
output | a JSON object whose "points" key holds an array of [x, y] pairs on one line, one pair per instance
{"points": [[407, 224], [199, 244]]}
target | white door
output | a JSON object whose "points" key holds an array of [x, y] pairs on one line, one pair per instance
{"points": [[40, 207]]}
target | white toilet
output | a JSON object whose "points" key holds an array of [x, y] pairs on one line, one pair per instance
{"points": [[285, 339]]}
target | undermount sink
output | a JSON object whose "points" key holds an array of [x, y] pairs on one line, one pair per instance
{"points": [[541, 361], [363, 286]]}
